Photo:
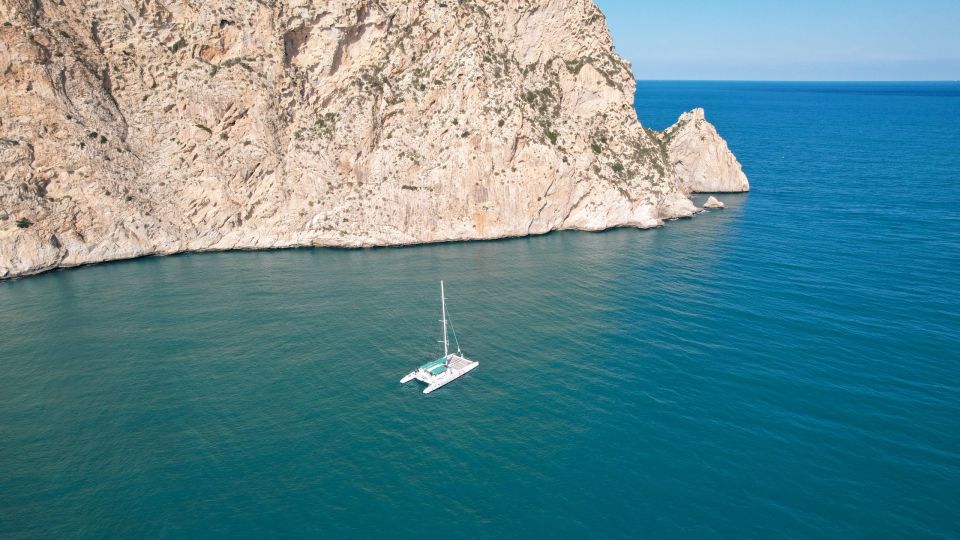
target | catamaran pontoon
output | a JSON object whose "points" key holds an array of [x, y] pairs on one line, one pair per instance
{"points": [[447, 368]]}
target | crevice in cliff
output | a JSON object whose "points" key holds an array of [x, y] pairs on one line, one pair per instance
{"points": [[543, 197], [575, 205], [350, 36]]}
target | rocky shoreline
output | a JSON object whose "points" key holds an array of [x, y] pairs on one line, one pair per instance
{"points": [[178, 128]]}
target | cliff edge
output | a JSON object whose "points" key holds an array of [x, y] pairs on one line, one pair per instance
{"points": [[136, 127]]}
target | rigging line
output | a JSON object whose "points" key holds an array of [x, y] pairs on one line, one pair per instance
{"points": [[454, 331]]}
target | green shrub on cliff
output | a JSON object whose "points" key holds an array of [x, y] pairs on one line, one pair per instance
{"points": [[181, 43]]}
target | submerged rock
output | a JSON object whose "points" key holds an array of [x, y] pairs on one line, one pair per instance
{"points": [[712, 202], [191, 126]]}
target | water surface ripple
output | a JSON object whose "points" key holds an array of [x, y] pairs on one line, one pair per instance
{"points": [[786, 367]]}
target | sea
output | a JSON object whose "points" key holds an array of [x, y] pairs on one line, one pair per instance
{"points": [[788, 367]]}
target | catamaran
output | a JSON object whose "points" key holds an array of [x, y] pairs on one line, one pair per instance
{"points": [[447, 368]]}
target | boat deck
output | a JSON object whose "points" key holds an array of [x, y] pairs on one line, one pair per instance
{"points": [[441, 371], [459, 362]]}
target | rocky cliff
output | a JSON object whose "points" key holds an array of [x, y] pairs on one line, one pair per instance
{"points": [[138, 127], [700, 157]]}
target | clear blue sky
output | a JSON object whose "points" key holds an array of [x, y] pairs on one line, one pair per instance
{"points": [[777, 40]]}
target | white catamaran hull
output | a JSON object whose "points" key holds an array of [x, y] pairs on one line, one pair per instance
{"points": [[456, 367]]}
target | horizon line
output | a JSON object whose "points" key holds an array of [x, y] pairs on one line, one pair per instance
{"points": [[637, 79]]}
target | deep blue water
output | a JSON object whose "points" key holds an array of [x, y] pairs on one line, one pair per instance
{"points": [[787, 367]]}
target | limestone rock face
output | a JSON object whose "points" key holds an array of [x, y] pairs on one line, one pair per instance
{"points": [[137, 127], [712, 202], [700, 156]]}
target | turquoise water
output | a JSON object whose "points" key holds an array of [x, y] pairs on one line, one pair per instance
{"points": [[787, 367]]}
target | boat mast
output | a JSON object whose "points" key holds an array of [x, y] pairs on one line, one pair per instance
{"points": [[443, 308]]}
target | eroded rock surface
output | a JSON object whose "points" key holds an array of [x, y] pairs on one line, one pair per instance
{"points": [[712, 202], [701, 157], [137, 127]]}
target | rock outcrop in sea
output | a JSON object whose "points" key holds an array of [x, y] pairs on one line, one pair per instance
{"points": [[712, 202], [136, 127], [701, 158]]}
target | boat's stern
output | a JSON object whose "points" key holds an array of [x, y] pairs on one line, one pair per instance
{"points": [[457, 366]]}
